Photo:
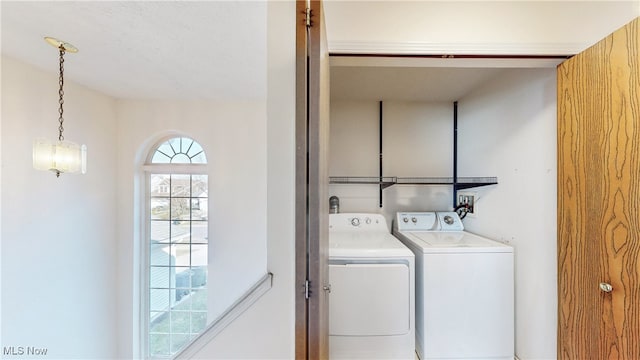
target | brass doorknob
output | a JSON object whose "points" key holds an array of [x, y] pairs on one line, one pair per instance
{"points": [[606, 287]]}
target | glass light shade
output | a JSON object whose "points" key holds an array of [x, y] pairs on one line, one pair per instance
{"points": [[59, 156]]}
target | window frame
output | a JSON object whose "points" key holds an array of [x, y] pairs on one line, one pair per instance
{"points": [[149, 169]]}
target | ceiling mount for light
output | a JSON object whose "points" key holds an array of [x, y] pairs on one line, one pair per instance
{"points": [[60, 156], [61, 44]]}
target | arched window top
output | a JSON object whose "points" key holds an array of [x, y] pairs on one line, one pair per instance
{"points": [[179, 150]]}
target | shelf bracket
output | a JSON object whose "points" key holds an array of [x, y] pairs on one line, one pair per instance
{"points": [[457, 183], [455, 154], [382, 186]]}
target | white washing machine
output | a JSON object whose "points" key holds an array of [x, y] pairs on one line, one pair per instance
{"points": [[464, 288], [371, 306]]}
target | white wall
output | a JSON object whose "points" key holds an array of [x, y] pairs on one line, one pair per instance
{"points": [[473, 27], [1, 117], [266, 330], [58, 234], [268, 326], [233, 135], [417, 140], [241, 139], [518, 139], [507, 129]]}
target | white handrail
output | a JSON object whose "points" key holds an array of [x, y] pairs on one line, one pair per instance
{"points": [[236, 309]]}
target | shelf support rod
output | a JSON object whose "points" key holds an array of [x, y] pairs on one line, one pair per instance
{"points": [[380, 153], [455, 153]]}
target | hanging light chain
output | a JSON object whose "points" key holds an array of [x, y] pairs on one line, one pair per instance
{"points": [[60, 156], [61, 94]]}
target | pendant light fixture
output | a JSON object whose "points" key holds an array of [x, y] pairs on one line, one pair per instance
{"points": [[60, 156]]}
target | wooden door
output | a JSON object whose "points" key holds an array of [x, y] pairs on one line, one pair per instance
{"points": [[599, 199], [312, 194]]}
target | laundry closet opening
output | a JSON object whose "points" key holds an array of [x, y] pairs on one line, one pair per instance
{"points": [[506, 128]]}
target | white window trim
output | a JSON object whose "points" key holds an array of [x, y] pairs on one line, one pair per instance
{"points": [[195, 169], [147, 170]]}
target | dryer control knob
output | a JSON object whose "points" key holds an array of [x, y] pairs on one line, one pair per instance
{"points": [[406, 220], [367, 220], [355, 222], [414, 220]]}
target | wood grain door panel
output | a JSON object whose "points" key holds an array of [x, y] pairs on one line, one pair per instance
{"points": [[599, 199]]}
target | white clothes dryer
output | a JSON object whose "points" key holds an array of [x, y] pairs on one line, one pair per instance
{"points": [[464, 288], [371, 304]]}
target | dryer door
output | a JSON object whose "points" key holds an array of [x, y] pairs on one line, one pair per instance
{"points": [[369, 299]]}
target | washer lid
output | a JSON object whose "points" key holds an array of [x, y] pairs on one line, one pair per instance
{"points": [[366, 245], [453, 242]]}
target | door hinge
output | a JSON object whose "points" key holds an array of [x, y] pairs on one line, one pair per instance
{"points": [[307, 17], [307, 292]]}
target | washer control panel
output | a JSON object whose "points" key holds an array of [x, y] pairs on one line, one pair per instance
{"points": [[449, 221], [428, 221]]}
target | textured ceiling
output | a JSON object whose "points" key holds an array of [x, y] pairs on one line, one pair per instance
{"points": [[195, 50], [142, 49]]}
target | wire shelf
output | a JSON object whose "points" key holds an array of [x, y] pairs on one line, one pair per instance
{"points": [[424, 181], [371, 180], [461, 183]]}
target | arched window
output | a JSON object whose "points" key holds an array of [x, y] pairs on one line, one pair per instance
{"points": [[179, 150], [177, 238]]}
